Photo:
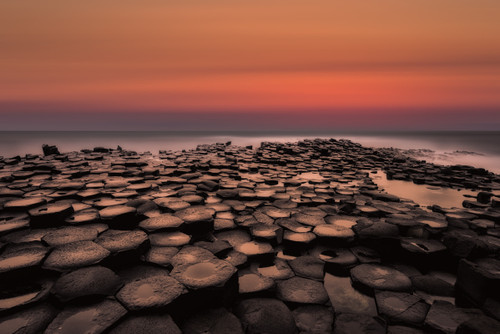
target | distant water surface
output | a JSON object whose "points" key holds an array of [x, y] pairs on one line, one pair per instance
{"points": [[480, 149]]}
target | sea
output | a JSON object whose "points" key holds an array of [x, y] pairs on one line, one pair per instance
{"points": [[474, 148]]}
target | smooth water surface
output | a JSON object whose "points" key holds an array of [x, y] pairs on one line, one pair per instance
{"points": [[422, 194]]}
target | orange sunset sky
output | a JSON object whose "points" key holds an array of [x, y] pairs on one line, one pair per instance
{"points": [[234, 64]]}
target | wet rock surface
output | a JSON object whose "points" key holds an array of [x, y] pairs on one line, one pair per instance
{"points": [[282, 238]]}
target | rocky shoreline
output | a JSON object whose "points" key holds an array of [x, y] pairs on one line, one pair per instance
{"points": [[283, 238]]}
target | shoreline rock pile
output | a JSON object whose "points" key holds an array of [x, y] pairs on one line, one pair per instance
{"points": [[283, 238]]}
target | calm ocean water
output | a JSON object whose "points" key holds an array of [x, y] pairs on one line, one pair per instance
{"points": [[482, 149]]}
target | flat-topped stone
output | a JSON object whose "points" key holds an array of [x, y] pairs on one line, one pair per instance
{"points": [[163, 221], [169, 239], [24, 204], [90, 319], [75, 255], [217, 320], [89, 281], [24, 257], [31, 320], [150, 292], [302, 290], [148, 323], [314, 319], [372, 276], [401, 307], [69, 234], [349, 323], [213, 272], [265, 315], [119, 241]]}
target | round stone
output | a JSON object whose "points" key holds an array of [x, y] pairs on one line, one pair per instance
{"points": [[253, 248], [163, 221], [169, 239], [90, 281], [422, 246], [107, 202], [113, 212], [31, 320], [149, 323], [349, 323], [333, 231], [250, 283], [150, 292], [51, 213], [161, 255], [299, 237], [196, 214], [69, 234], [118, 241], [265, 315], [401, 307], [373, 276], [200, 275], [302, 290], [171, 204], [75, 255], [308, 266], [217, 320], [19, 295], [24, 203], [84, 217], [309, 219], [314, 319], [280, 270], [191, 255], [93, 318], [20, 258]]}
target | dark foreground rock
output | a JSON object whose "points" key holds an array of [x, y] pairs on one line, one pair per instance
{"points": [[280, 238]]}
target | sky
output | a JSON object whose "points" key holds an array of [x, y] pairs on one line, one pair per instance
{"points": [[250, 65]]}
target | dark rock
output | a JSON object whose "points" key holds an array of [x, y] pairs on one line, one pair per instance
{"points": [[50, 150], [75, 255], [478, 280], [69, 234], [302, 290], [214, 321], [479, 325], [433, 285], [150, 323], [252, 283], [314, 319], [400, 307], [91, 319], [90, 281], [209, 273], [368, 277], [21, 293], [444, 317], [191, 255], [164, 221], [197, 219], [22, 258], [308, 266], [264, 315], [51, 214], [150, 292], [349, 323], [24, 204], [32, 320], [169, 239], [346, 299]]}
